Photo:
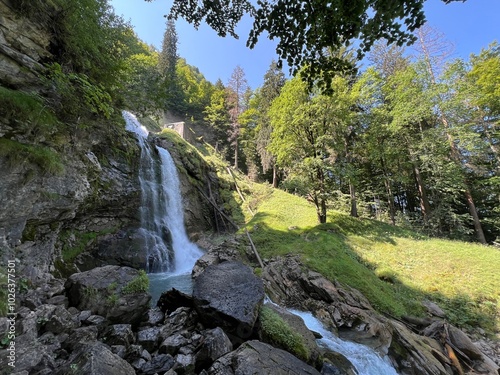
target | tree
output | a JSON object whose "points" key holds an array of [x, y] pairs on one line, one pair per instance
{"points": [[237, 86], [309, 138], [304, 29], [167, 65], [433, 50], [274, 80], [217, 114]]}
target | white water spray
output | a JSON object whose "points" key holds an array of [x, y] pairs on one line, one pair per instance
{"points": [[162, 216], [364, 359]]}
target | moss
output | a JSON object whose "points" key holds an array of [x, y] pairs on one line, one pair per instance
{"points": [[72, 247], [48, 160], [138, 284], [280, 334]]}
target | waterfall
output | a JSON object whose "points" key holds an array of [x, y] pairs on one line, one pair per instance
{"points": [[162, 216], [364, 359]]}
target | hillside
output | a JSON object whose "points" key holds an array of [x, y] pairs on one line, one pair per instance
{"points": [[394, 267]]}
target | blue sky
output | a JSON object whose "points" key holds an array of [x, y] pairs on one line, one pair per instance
{"points": [[470, 26]]}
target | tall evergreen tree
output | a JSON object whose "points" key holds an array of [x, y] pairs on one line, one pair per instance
{"points": [[237, 86], [167, 64]]}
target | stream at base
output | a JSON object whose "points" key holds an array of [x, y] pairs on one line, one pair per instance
{"points": [[162, 282]]}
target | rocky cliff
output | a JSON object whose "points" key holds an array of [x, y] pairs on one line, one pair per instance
{"points": [[69, 190]]}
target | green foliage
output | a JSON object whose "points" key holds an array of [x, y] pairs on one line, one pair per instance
{"points": [[45, 158], [139, 284], [73, 87], [75, 243], [280, 334], [27, 113]]}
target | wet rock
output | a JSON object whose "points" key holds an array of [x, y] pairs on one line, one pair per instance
{"points": [[95, 359], [229, 295], [100, 290], [255, 357], [119, 334], [337, 364]]}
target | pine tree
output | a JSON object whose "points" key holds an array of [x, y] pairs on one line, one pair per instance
{"points": [[237, 86], [167, 64]]}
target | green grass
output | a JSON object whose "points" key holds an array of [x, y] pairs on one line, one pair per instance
{"points": [[45, 158], [394, 268], [280, 334], [138, 284]]}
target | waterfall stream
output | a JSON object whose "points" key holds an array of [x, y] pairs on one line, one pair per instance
{"points": [[363, 358], [171, 256], [170, 253]]}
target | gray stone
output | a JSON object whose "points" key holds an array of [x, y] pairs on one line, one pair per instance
{"points": [[155, 317], [215, 345], [82, 335], [184, 364], [119, 350], [61, 321], [158, 364], [95, 359], [119, 334], [229, 295], [149, 338], [92, 290], [255, 357], [172, 344]]}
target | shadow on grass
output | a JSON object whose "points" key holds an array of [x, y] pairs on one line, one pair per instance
{"points": [[325, 249]]}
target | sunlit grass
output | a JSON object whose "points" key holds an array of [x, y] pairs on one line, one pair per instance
{"points": [[394, 268]]}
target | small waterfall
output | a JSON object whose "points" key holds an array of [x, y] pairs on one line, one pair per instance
{"points": [[162, 216], [364, 359]]}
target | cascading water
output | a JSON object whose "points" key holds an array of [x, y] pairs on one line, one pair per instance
{"points": [[170, 253], [364, 359]]}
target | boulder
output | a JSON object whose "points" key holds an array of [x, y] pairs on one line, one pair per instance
{"points": [[95, 359], [172, 299], [101, 290], [215, 345], [119, 334], [255, 357], [158, 364], [229, 295], [148, 338]]}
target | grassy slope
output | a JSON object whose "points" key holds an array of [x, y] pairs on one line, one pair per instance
{"points": [[393, 267]]}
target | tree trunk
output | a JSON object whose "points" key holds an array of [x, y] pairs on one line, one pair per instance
{"points": [[354, 207], [425, 207], [275, 176], [236, 154], [390, 201]]}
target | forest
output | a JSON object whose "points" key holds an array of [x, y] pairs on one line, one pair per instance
{"points": [[409, 137]]}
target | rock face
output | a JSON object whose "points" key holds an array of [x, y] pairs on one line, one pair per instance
{"points": [[255, 357], [22, 45], [101, 291], [229, 295]]}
